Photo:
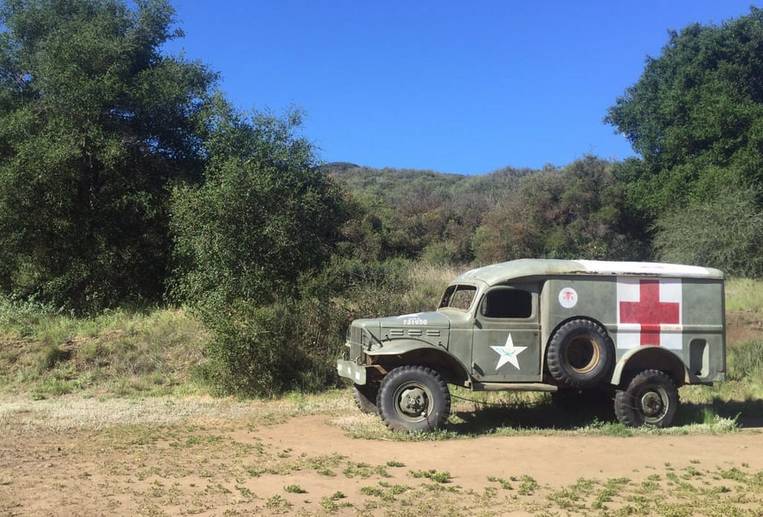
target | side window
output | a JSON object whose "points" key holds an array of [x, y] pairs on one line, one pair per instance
{"points": [[507, 303]]}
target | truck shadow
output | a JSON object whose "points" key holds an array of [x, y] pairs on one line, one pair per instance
{"points": [[748, 413], [545, 416]]}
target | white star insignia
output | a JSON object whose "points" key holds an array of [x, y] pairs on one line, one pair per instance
{"points": [[508, 353]]}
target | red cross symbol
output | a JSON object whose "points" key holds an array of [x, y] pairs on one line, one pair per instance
{"points": [[649, 312]]}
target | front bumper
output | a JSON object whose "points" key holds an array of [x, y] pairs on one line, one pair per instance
{"points": [[351, 370]]}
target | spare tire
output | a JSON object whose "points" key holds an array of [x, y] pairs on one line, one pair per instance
{"points": [[580, 354]]}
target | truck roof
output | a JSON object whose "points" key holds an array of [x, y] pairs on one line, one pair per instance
{"points": [[499, 273]]}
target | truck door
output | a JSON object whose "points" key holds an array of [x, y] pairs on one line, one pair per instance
{"points": [[506, 344]]}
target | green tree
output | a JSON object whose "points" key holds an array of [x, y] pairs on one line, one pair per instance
{"points": [[95, 124], [578, 211], [264, 216], [696, 116]]}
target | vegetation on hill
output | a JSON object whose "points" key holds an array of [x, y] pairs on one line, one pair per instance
{"points": [[558, 212]]}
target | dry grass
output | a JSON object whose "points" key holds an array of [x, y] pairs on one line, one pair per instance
{"points": [[745, 295], [119, 353]]}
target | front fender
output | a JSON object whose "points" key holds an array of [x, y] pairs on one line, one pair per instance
{"points": [[419, 352], [403, 346]]}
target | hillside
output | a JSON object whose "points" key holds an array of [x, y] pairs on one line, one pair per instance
{"points": [[579, 210], [395, 184]]}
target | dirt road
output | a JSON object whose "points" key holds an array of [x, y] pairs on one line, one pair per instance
{"points": [[98, 458]]}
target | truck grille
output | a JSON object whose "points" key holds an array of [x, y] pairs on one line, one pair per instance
{"points": [[356, 348]]}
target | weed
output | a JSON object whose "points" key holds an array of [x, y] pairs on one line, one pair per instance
{"points": [[527, 485], [734, 474], [364, 470], [372, 491], [611, 488], [334, 503], [434, 475], [277, 504], [51, 355], [504, 483], [294, 489]]}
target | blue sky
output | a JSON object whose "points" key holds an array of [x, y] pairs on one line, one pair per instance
{"points": [[452, 86]]}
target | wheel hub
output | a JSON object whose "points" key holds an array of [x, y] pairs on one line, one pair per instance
{"points": [[651, 404], [413, 401]]}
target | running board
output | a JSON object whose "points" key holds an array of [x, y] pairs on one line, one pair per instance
{"points": [[513, 386]]}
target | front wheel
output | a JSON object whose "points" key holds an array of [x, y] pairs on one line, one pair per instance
{"points": [[651, 399], [413, 398]]}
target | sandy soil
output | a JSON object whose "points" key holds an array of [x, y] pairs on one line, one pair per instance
{"points": [[225, 460]]}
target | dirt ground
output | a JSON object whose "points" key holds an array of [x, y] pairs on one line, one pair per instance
{"points": [[200, 456]]}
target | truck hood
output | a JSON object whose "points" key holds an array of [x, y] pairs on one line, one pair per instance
{"points": [[417, 319]]}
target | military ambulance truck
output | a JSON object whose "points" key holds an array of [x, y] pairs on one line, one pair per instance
{"points": [[640, 330]]}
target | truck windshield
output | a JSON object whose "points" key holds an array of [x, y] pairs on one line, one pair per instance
{"points": [[458, 297]]}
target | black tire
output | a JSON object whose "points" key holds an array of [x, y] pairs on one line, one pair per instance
{"points": [[580, 354], [365, 397], [413, 398], [651, 399]]}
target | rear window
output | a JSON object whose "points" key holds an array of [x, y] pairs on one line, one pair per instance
{"points": [[458, 297]]}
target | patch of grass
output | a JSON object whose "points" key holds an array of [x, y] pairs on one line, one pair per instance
{"points": [[294, 489], [364, 470], [120, 352], [372, 491], [50, 356], [438, 476], [506, 485], [611, 488], [393, 463], [527, 485], [745, 361], [744, 294], [277, 504], [334, 502]]}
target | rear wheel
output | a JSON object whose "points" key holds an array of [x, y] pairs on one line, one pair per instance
{"points": [[365, 397], [413, 398], [651, 399]]}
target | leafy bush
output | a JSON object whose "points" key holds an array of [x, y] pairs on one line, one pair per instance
{"points": [[725, 232], [263, 218], [251, 242], [265, 350], [293, 343]]}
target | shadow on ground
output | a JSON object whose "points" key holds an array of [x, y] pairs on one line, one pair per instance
{"points": [[749, 413], [545, 415]]}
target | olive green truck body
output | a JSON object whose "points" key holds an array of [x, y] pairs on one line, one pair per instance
{"points": [[495, 323]]}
